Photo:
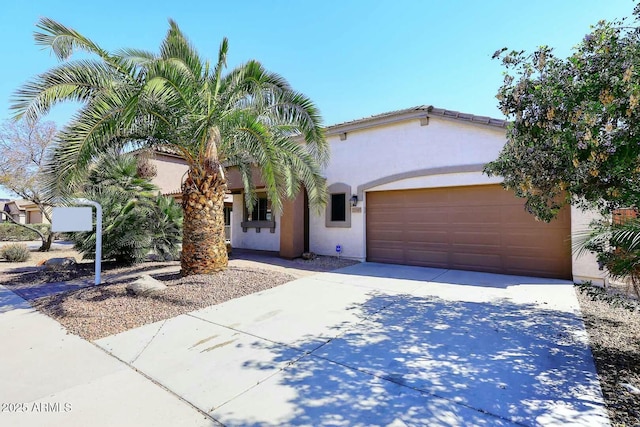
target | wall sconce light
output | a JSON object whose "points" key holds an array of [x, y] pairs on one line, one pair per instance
{"points": [[354, 200]]}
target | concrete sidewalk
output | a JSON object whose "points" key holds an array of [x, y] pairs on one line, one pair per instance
{"points": [[51, 378]]}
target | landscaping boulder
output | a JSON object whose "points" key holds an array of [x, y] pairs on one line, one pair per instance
{"points": [[146, 285], [60, 263]]}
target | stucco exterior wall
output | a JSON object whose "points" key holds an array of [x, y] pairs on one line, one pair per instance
{"points": [[393, 150], [585, 267], [170, 171], [21, 218], [265, 240]]}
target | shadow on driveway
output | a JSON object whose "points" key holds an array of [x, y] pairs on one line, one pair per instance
{"points": [[428, 361]]}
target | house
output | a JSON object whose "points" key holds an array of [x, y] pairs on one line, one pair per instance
{"points": [[24, 212], [3, 202], [407, 187]]}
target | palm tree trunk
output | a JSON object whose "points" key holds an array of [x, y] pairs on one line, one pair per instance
{"points": [[204, 250]]}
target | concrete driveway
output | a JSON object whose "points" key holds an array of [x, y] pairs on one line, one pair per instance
{"points": [[376, 344]]}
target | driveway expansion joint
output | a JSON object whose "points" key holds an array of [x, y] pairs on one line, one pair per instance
{"points": [[159, 384], [149, 343]]}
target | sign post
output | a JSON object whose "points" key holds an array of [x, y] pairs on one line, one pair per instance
{"points": [[65, 219], [339, 250]]}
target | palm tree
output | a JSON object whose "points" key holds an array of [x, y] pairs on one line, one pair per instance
{"points": [[617, 247], [134, 218], [246, 118]]}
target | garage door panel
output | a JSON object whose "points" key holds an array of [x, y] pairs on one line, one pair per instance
{"points": [[387, 235], [480, 228], [476, 238], [425, 217], [465, 261], [486, 215], [386, 253], [382, 244], [427, 237], [522, 262], [435, 259]]}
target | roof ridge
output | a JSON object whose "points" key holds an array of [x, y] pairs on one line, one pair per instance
{"points": [[429, 110]]}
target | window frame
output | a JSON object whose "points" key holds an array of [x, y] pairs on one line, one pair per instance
{"points": [[268, 221], [335, 189]]}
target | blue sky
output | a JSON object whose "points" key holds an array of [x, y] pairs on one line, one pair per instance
{"points": [[353, 58]]}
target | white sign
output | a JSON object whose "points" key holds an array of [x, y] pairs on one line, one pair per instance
{"points": [[72, 219]]}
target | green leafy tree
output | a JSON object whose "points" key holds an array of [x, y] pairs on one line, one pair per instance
{"points": [[136, 219], [575, 131], [248, 117]]}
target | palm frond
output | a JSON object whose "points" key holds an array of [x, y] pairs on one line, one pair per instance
{"points": [[176, 47], [77, 81], [221, 64], [64, 41], [135, 57]]}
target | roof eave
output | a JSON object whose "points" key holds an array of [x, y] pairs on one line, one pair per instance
{"points": [[422, 112], [379, 120]]}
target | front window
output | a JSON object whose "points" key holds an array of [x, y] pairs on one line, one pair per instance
{"points": [[261, 210], [260, 216], [339, 207], [338, 210]]}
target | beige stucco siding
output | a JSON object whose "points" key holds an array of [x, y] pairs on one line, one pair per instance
{"points": [[170, 171]]}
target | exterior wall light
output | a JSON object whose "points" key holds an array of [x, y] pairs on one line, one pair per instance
{"points": [[354, 200]]}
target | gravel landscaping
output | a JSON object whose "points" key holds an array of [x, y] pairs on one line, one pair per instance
{"points": [[614, 335], [100, 311]]}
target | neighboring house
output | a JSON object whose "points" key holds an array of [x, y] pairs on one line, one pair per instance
{"points": [[2, 203], [407, 187], [24, 212]]}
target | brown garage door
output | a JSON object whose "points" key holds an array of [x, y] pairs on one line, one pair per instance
{"points": [[483, 228]]}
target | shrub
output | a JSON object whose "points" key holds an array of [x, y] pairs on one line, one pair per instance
{"points": [[10, 232], [617, 248], [135, 219], [15, 252], [165, 228]]}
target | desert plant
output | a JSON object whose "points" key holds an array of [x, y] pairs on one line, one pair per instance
{"points": [[135, 219], [617, 248], [15, 252], [166, 228]]}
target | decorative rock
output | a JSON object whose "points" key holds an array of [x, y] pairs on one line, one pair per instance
{"points": [[309, 256], [60, 263], [145, 286]]}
